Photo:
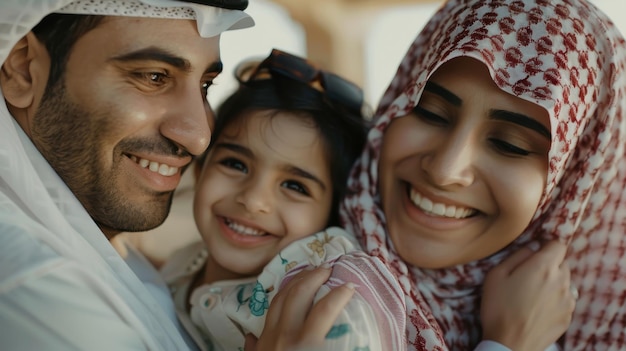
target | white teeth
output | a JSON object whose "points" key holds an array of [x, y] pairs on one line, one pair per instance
{"points": [[156, 167], [242, 229], [439, 209]]}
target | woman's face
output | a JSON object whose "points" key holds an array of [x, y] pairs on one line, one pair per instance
{"points": [[461, 176]]}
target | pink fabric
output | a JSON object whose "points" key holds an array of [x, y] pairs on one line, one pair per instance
{"points": [[567, 57]]}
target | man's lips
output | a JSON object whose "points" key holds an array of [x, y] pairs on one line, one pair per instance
{"points": [[156, 167]]}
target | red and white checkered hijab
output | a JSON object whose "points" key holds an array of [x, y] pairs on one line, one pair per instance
{"points": [[567, 57]]}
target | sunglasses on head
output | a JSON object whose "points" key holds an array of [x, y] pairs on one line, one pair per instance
{"points": [[280, 63]]}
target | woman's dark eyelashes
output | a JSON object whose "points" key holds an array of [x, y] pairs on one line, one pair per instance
{"points": [[429, 116], [508, 148]]}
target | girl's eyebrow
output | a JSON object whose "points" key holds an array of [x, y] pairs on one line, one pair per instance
{"points": [[520, 119], [443, 92]]}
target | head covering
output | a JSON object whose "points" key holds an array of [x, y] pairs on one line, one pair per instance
{"points": [[33, 196], [567, 57]]}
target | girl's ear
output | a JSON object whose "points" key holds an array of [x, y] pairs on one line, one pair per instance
{"points": [[24, 74]]}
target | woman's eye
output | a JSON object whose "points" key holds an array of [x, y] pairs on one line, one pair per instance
{"points": [[296, 186], [235, 164], [508, 148], [429, 116]]}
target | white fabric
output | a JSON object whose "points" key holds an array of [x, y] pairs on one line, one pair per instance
{"points": [[224, 311], [211, 20], [62, 285]]}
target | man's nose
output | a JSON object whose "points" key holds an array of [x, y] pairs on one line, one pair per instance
{"points": [[450, 162], [189, 121]]}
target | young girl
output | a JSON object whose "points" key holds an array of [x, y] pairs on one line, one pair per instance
{"points": [[503, 128], [273, 177]]}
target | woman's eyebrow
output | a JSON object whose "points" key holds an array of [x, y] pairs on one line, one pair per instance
{"points": [[437, 89], [520, 119]]}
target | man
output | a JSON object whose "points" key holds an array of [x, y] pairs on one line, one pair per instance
{"points": [[99, 117]]}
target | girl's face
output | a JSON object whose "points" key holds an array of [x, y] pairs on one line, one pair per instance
{"points": [[462, 175], [266, 183]]}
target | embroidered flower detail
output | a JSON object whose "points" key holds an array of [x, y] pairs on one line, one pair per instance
{"points": [[290, 265], [317, 245], [338, 331], [258, 301]]}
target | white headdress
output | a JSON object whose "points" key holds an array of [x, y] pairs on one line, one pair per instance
{"points": [[34, 200]]}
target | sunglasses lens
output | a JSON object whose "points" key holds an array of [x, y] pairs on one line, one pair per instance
{"points": [[343, 91], [280, 63]]}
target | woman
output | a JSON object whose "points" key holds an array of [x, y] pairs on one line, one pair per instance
{"points": [[463, 171]]}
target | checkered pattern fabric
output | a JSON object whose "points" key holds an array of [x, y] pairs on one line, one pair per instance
{"points": [[567, 57]]}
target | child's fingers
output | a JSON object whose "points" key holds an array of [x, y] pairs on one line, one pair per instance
{"points": [[250, 343], [292, 302], [325, 311], [299, 300]]}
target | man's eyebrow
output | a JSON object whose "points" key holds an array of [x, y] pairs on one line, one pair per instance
{"points": [[160, 55], [437, 89], [299, 172], [521, 120]]}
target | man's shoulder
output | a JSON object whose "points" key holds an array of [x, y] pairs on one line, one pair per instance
{"points": [[22, 255]]}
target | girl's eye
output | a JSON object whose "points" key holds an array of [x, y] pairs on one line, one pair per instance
{"points": [[235, 164], [508, 148], [429, 116], [296, 186]]}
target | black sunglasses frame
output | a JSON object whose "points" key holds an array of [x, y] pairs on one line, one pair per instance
{"points": [[337, 89]]}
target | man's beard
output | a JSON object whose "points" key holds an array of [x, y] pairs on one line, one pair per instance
{"points": [[72, 140]]}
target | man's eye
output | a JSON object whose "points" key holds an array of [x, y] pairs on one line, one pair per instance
{"points": [[153, 78], [206, 85]]}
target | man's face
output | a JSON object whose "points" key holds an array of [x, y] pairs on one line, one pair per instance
{"points": [[128, 116]]}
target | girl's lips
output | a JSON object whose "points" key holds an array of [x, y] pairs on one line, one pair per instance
{"points": [[233, 234]]}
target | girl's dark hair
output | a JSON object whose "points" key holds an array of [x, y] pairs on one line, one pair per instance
{"points": [[343, 133], [59, 33]]}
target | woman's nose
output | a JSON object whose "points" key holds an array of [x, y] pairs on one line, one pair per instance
{"points": [[450, 162]]}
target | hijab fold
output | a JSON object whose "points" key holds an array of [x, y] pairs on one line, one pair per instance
{"points": [[569, 58], [36, 202]]}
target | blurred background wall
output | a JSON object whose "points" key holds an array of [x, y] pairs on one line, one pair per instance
{"points": [[363, 40]]}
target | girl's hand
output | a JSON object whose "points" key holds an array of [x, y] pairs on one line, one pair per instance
{"points": [[293, 323], [527, 302]]}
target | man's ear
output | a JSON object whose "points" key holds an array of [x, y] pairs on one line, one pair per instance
{"points": [[24, 73]]}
